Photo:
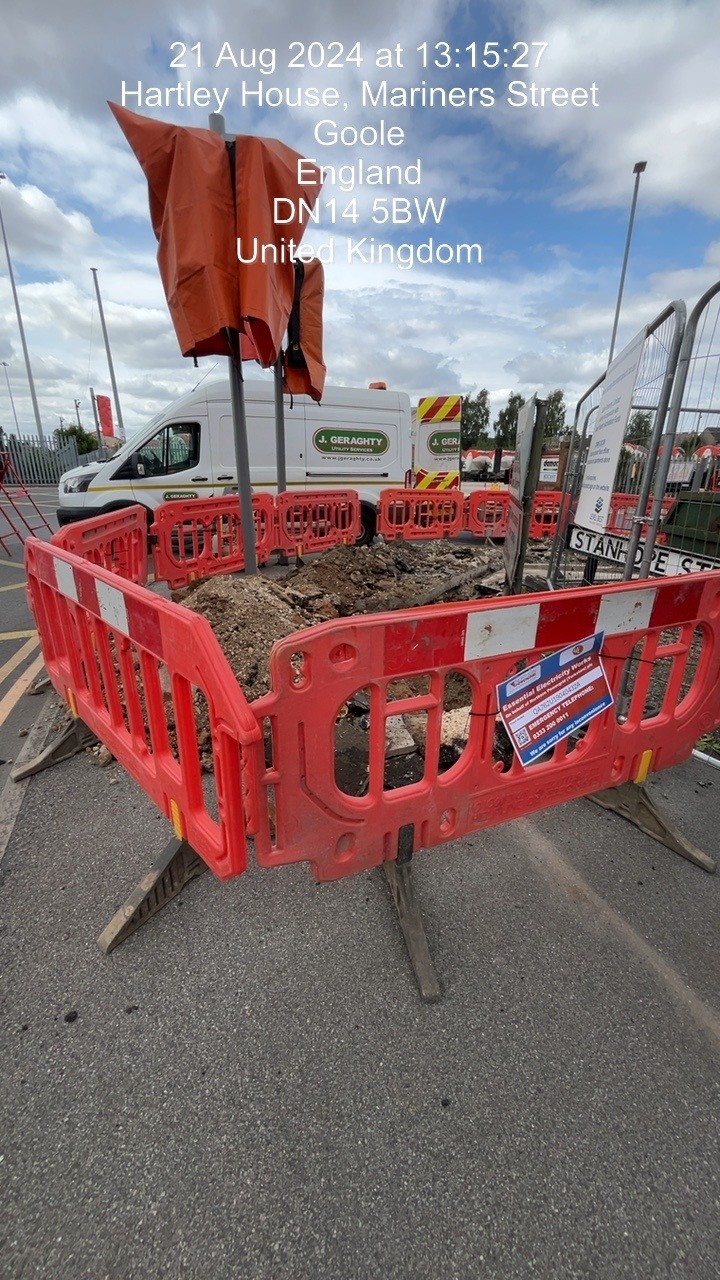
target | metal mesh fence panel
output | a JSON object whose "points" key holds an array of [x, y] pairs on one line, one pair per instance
{"points": [[639, 469]]}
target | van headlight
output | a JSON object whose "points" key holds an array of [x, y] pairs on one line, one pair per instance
{"points": [[77, 484]]}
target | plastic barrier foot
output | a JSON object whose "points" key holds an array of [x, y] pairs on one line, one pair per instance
{"points": [[632, 801], [177, 865], [75, 739], [399, 877], [40, 685]]}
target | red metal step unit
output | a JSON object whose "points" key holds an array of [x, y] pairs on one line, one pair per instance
{"points": [[14, 495]]}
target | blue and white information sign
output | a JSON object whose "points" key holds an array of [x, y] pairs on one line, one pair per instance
{"points": [[546, 702]]}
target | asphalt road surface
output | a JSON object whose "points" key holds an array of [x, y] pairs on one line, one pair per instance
{"points": [[250, 1086]]}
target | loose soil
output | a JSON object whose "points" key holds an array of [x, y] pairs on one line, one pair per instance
{"points": [[249, 614]]}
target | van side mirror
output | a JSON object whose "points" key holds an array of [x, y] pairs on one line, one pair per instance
{"points": [[137, 466]]}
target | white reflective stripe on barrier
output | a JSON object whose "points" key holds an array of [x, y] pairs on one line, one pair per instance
{"points": [[627, 612], [514, 628], [65, 579], [111, 603]]}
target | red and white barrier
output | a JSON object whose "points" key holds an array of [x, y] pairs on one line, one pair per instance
{"points": [[314, 673], [118, 541], [132, 667]]}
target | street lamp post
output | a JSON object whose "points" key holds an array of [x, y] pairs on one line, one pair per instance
{"points": [[12, 402], [111, 367], [640, 167], [26, 353]]}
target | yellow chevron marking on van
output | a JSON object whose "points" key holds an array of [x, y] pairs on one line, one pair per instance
{"points": [[438, 408], [437, 480]]}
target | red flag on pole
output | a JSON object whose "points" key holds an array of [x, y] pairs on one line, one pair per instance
{"points": [[105, 416]]}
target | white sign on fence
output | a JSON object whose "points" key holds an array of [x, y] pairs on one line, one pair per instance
{"points": [[665, 562], [593, 511]]}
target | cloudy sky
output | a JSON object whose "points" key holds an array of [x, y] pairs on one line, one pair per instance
{"points": [[545, 190]]}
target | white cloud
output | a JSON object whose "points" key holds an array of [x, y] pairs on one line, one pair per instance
{"points": [[508, 325], [655, 65]]}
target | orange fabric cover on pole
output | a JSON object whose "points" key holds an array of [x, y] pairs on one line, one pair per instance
{"points": [[266, 171], [303, 366], [105, 415], [199, 220], [193, 217]]}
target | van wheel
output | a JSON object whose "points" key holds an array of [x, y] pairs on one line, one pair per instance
{"points": [[368, 525]]}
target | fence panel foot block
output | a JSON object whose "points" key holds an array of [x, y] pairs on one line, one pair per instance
{"points": [[633, 802], [399, 877], [75, 739], [177, 865]]}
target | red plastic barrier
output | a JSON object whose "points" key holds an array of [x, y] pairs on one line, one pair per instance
{"points": [[420, 513], [135, 668], [194, 538], [117, 541], [315, 672], [486, 514], [317, 520], [545, 514], [622, 511]]}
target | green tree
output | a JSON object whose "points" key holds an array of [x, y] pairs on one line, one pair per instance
{"points": [[505, 424], [555, 424], [475, 420], [87, 441], [638, 428]]}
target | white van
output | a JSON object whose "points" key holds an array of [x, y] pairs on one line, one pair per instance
{"points": [[356, 439]]}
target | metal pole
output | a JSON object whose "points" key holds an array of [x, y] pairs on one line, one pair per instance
{"points": [[26, 353], [237, 396], [242, 456], [280, 427], [679, 310], [12, 402], [96, 415], [640, 167], [113, 383]]}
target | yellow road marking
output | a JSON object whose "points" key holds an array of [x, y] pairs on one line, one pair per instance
{"points": [[19, 656], [14, 586], [23, 682], [13, 564], [18, 635]]}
